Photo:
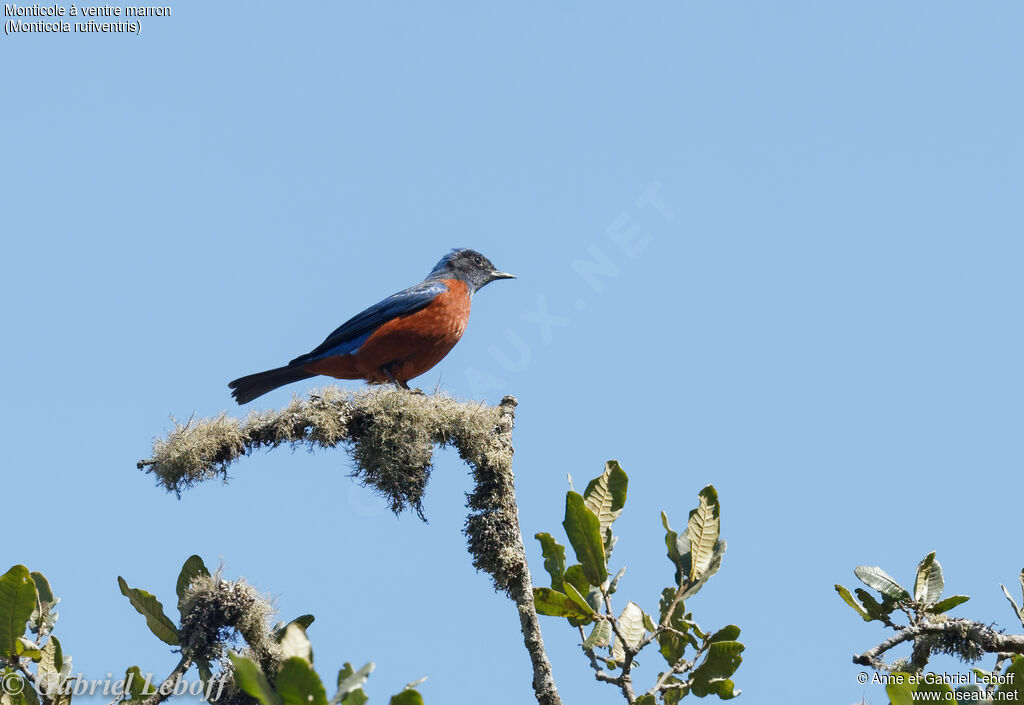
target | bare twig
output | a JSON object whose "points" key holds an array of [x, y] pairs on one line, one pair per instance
{"points": [[23, 667], [679, 667], [166, 688], [599, 673], [625, 679], [1000, 661]]}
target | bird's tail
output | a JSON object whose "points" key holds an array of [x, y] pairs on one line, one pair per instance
{"points": [[245, 389]]}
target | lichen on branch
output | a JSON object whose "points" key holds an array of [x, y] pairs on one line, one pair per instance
{"points": [[389, 433]]}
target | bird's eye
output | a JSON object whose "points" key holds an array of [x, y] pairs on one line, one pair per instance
{"points": [[478, 261]]}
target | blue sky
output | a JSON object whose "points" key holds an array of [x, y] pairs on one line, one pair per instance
{"points": [[821, 317]]}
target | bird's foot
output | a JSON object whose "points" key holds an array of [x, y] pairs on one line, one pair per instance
{"points": [[387, 370]]}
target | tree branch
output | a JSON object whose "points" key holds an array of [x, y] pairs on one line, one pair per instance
{"points": [[599, 673], [165, 689], [496, 542], [625, 680], [390, 435], [962, 637]]}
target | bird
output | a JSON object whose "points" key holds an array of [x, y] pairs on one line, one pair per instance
{"points": [[396, 339]]}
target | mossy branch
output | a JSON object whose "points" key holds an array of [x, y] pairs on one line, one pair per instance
{"points": [[963, 638], [214, 612], [390, 435]]}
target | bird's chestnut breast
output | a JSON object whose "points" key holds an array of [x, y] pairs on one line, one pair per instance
{"points": [[413, 344]]}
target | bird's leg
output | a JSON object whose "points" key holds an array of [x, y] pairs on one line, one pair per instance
{"points": [[387, 371]]}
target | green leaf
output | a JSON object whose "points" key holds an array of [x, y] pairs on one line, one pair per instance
{"points": [[631, 626], [721, 661], [672, 645], [58, 684], [205, 673], [649, 624], [900, 693], [672, 543], [678, 550], [192, 568], [250, 678], [1014, 682], [40, 621], [668, 595], [552, 602], [146, 604], [302, 620], [934, 685], [593, 598], [948, 604], [848, 599], [727, 633], [875, 577], [713, 566], [29, 695], [295, 643], [600, 635], [693, 625], [17, 600], [345, 672], [605, 496], [42, 587], [355, 697], [675, 695], [876, 610], [724, 688], [929, 583], [646, 700], [614, 584], [26, 648], [703, 530], [297, 684], [350, 681], [901, 688], [1017, 611], [574, 575], [573, 594], [135, 684], [557, 604], [15, 690], [407, 697], [584, 531], [53, 657], [554, 559]]}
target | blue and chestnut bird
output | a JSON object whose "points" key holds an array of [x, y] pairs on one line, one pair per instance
{"points": [[394, 340]]}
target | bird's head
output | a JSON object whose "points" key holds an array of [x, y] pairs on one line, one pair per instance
{"points": [[468, 266]]}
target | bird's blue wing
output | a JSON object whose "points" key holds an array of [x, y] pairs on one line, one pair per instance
{"points": [[353, 333]]}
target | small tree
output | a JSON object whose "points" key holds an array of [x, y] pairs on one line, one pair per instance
{"points": [[223, 630], [922, 623], [582, 594], [390, 435]]}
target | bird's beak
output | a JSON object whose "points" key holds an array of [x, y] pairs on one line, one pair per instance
{"points": [[495, 275]]}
